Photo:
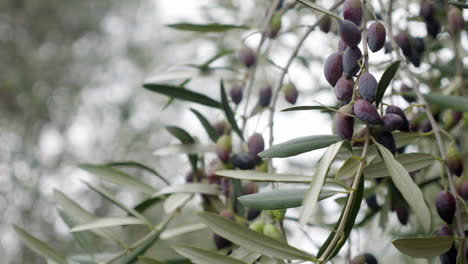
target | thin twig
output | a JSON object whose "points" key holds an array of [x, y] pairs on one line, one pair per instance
{"points": [[414, 82], [279, 84]]}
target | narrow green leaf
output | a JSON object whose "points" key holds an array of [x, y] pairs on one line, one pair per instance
{"points": [[217, 56], [80, 238], [204, 188], [202, 256], [146, 260], [38, 246], [385, 80], [316, 184], [183, 94], [355, 205], [299, 145], [181, 230], [459, 4], [175, 201], [245, 255], [181, 134], [262, 176], [424, 247], [180, 73], [457, 103], [207, 125], [319, 8], [118, 177], [146, 204], [254, 241], [140, 250], [279, 199], [185, 138], [348, 169], [131, 163], [106, 194], [108, 222], [228, 111], [407, 187], [410, 161], [309, 107], [206, 28], [80, 215]]}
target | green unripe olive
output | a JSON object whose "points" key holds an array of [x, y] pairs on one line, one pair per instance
{"points": [[272, 231], [278, 214], [257, 226]]}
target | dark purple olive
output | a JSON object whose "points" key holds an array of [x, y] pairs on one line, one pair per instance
{"points": [[427, 10], [426, 126], [325, 24], [371, 202], [265, 96], [191, 177], [236, 94], [446, 205], [290, 93], [376, 34], [350, 61], [255, 145], [419, 45], [247, 56], [391, 122], [405, 89], [365, 258], [451, 118], [454, 161], [226, 186], [344, 89], [352, 11], [220, 127], [396, 110], [367, 86], [463, 190], [333, 68], [449, 257], [344, 124], [253, 213], [220, 241], [444, 230], [402, 214], [243, 161], [250, 188], [403, 41], [349, 33], [366, 112], [455, 19], [341, 46], [433, 27], [386, 139]]}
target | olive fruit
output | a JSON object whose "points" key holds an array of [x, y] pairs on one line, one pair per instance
{"points": [[333, 68], [451, 118], [220, 241], [325, 24], [275, 25], [405, 89], [247, 56], [257, 226], [462, 190], [265, 96], [255, 145], [455, 19], [403, 41], [344, 89], [367, 112], [386, 139], [371, 202], [272, 231], [341, 46], [391, 122], [223, 148], [236, 93], [191, 177], [446, 205], [278, 214], [290, 93], [427, 10], [396, 110], [352, 11], [220, 127], [454, 161], [365, 258], [243, 161], [350, 61], [376, 34], [367, 86], [444, 230], [349, 33], [344, 124], [402, 214], [433, 27]]}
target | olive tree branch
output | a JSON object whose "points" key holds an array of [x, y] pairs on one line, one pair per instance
{"points": [[284, 71], [386, 15], [253, 68], [352, 196]]}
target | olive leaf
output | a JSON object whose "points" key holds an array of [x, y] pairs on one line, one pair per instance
{"points": [[407, 187], [424, 247]]}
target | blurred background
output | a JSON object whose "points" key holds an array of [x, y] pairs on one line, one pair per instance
{"points": [[71, 75]]}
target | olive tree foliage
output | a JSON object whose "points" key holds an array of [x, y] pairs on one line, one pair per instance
{"points": [[396, 151]]}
